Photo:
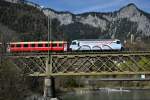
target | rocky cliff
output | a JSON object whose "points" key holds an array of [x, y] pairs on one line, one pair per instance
{"points": [[119, 24], [30, 22]]}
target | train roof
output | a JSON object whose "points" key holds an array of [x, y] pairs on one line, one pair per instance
{"points": [[39, 42], [98, 39]]}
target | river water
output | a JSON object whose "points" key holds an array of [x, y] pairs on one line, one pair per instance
{"points": [[108, 94]]}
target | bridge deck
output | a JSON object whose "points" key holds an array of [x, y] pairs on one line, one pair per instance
{"points": [[118, 79]]}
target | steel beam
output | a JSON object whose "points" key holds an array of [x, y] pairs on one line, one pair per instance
{"points": [[87, 63]]}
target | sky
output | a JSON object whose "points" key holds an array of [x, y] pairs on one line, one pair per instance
{"points": [[81, 6]]}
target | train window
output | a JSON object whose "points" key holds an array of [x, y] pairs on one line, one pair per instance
{"points": [[25, 45], [118, 42], [12, 45], [73, 43], [40, 45], [32, 45], [60, 45], [18, 45], [46, 45], [54, 45]]}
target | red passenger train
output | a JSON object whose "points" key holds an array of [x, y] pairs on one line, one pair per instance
{"points": [[41, 46]]}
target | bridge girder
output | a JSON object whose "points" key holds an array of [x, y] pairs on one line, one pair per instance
{"points": [[86, 64]]}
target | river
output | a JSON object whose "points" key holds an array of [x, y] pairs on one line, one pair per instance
{"points": [[108, 94]]}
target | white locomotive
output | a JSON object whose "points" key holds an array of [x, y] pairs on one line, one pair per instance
{"points": [[90, 44]]}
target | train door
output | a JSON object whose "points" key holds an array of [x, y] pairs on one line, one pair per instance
{"points": [[65, 46]]}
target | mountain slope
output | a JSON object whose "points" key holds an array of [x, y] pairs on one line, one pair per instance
{"points": [[27, 21], [120, 24], [30, 23]]}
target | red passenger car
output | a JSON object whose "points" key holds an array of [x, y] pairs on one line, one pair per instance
{"points": [[41, 46]]}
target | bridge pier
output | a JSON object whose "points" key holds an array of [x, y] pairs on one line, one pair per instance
{"points": [[49, 88], [49, 83]]}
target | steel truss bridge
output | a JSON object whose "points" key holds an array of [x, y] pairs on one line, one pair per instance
{"points": [[83, 63]]}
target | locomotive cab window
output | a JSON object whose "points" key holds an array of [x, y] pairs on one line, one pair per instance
{"points": [[118, 42], [73, 43]]}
